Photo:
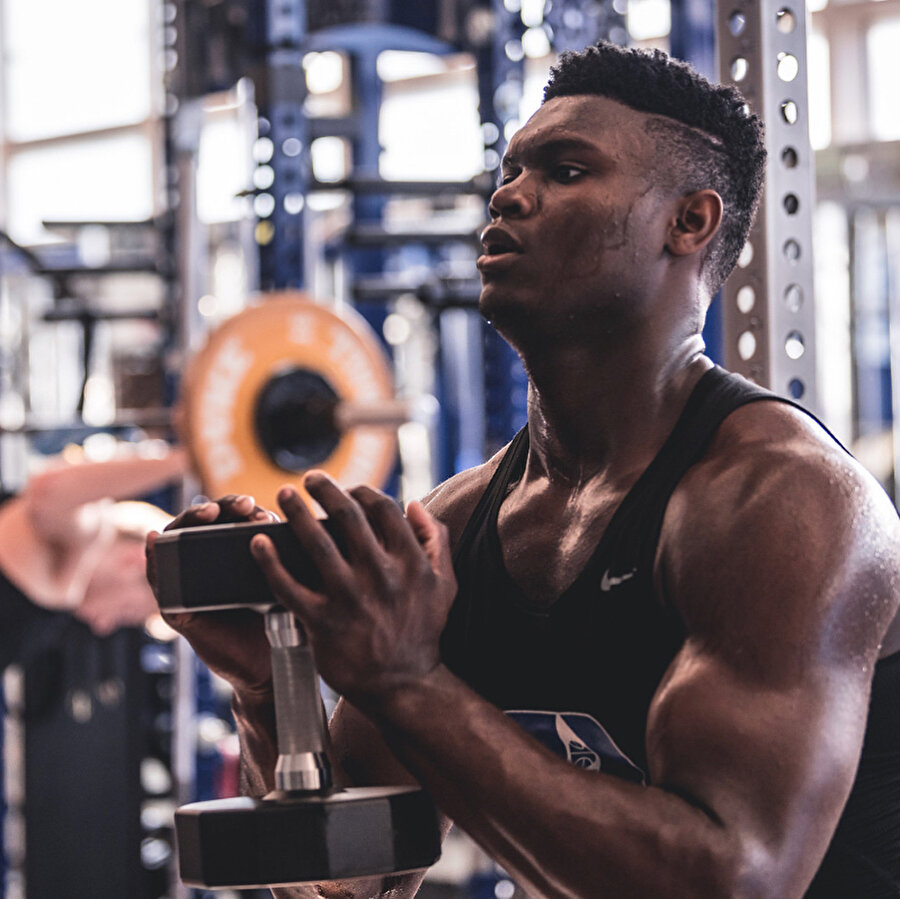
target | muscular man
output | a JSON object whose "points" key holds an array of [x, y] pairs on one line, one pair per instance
{"points": [[677, 582]]}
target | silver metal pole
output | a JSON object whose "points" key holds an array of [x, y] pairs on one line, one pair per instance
{"points": [[768, 305]]}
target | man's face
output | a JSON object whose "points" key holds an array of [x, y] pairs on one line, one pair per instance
{"points": [[577, 226]]}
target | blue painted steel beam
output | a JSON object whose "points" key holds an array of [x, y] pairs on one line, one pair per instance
{"points": [[277, 35]]}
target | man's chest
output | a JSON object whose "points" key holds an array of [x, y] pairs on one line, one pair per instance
{"points": [[547, 542]]}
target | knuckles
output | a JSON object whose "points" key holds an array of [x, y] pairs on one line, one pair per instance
{"points": [[344, 513], [384, 504]]}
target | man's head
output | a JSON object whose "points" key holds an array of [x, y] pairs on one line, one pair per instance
{"points": [[704, 136]]}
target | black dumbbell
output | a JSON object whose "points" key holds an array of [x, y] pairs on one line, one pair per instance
{"points": [[306, 829]]}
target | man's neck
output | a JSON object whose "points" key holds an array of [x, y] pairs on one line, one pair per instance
{"points": [[607, 411]]}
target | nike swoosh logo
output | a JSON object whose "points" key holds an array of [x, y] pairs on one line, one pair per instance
{"points": [[607, 582]]}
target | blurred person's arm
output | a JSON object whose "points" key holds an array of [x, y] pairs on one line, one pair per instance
{"points": [[58, 500]]}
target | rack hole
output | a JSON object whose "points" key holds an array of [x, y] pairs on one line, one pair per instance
{"points": [[794, 345], [739, 68], [789, 112], [796, 388], [788, 66], [785, 20], [793, 297], [746, 345], [745, 299], [737, 22], [791, 250]]}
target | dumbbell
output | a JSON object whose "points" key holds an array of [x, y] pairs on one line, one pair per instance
{"points": [[306, 829]]}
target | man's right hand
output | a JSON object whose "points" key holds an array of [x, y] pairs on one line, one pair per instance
{"points": [[232, 643]]}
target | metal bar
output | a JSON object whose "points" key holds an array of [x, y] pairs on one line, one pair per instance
{"points": [[51, 224], [82, 314], [16, 146], [125, 268], [361, 184], [124, 419], [374, 235], [892, 238], [768, 305], [435, 296]]}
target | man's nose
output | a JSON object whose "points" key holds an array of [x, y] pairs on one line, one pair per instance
{"points": [[516, 198]]}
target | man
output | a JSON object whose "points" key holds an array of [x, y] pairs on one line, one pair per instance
{"points": [[679, 582]]}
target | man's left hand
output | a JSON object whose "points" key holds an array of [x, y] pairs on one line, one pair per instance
{"points": [[375, 624]]}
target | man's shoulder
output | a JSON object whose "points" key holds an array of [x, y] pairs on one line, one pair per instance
{"points": [[777, 508], [775, 454], [758, 433], [454, 500]]}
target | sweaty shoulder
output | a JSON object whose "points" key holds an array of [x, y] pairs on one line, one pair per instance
{"points": [[454, 500], [781, 521]]}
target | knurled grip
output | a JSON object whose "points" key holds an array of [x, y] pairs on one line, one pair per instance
{"points": [[299, 716]]}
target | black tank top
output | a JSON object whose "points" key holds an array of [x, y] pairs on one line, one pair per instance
{"points": [[580, 675]]}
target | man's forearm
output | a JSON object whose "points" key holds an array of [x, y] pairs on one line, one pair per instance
{"points": [[254, 718], [559, 831]]}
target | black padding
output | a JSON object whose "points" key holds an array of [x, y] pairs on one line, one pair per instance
{"points": [[212, 568], [245, 843]]}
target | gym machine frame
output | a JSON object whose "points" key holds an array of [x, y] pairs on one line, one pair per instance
{"points": [[768, 303]]}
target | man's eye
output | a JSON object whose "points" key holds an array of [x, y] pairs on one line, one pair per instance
{"points": [[506, 179], [567, 173]]}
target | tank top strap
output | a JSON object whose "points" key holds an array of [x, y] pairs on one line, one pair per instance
{"points": [[633, 532], [716, 395], [510, 468]]}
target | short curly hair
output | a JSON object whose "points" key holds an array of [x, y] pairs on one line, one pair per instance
{"points": [[706, 127]]}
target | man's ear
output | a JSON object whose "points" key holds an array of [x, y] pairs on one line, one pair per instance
{"points": [[696, 222]]}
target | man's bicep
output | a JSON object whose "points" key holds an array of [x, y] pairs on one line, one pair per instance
{"points": [[772, 763], [778, 566]]}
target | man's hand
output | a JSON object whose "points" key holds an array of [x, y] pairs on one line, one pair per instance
{"points": [[231, 643], [375, 625]]}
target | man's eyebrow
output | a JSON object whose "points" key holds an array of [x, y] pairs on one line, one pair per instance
{"points": [[551, 148]]}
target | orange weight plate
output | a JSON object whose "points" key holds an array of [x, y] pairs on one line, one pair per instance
{"points": [[256, 399]]}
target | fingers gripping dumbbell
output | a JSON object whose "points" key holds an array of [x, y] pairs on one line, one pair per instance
{"points": [[305, 829]]}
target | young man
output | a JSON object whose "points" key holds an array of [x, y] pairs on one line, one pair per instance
{"points": [[680, 584]]}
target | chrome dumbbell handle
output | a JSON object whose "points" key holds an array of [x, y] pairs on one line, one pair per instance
{"points": [[302, 765]]}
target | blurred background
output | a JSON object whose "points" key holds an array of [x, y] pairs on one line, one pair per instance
{"points": [[166, 168]]}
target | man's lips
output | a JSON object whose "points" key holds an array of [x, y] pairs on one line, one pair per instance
{"points": [[496, 240], [497, 244]]}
